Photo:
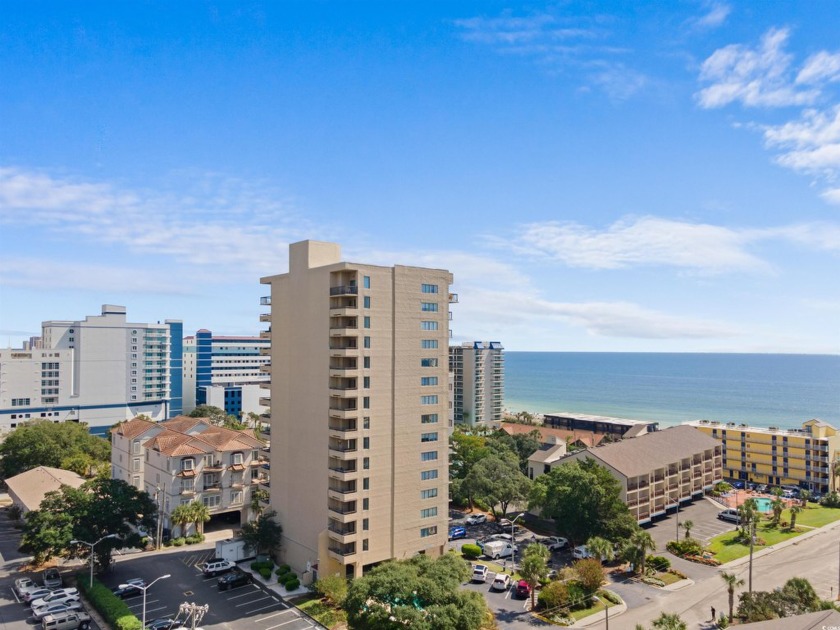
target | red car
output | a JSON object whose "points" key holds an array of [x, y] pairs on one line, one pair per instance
{"points": [[523, 589]]}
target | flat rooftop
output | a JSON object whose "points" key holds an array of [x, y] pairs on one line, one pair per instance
{"points": [[605, 419], [739, 426]]}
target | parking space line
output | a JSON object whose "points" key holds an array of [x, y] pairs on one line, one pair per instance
{"points": [[261, 619], [257, 588], [149, 610], [249, 612], [255, 601], [297, 618]]}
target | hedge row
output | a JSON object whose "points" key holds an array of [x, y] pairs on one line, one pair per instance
{"points": [[112, 608]]}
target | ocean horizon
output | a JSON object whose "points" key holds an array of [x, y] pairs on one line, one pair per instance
{"points": [[782, 390]]}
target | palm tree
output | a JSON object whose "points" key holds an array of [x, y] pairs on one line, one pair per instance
{"points": [[181, 516], [687, 525], [732, 582], [601, 548], [794, 510], [669, 621], [534, 567], [642, 541], [804, 495], [258, 497], [835, 471], [778, 506], [199, 514], [748, 513]]}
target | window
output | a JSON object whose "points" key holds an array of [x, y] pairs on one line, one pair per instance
{"points": [[365, 503], [365, 524], [187, 485], [136, 447], [366, 483], [212, 501], [425, 475], [427, 325], [429, 400], [366, 402], [236, 496], [208, 460], [428, 494], [136, 481], [366, 301], [366, 282], [425, 381], [429, 418], [365, 544], [366, 321], [21, 402], [236, 459], [135, 465], [187, 463], [367, 341], [428, 288], [425, 532], [366, 463], [428, 344], [365, 442], [366, 382], [428, 512], [429, 437], [366, 422], [428, 362], [366, 363], [429, 307], [428, 456]]}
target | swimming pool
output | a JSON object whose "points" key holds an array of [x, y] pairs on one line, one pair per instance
{"points": [[762, 504]]}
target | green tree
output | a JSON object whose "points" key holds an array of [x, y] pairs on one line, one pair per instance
{"points": [[590, 574], [522, 444], [466, 449], [534, 566], [258, 498], [585, 500], [601, 548], [669, 621], [263, 534], [44, 443], [180, 517], [794, 510], [419, 593], [215, 415], [748, 511], [732, 582], [804, 496], [333, 588], [498, 481], [778, 506], [796, 597], [688, 525], [199, 514], [100, 507]]}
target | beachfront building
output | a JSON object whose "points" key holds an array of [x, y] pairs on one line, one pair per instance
{"points": [[610, 428], [478, 369], [359, 410], [225, 372], [772, 455], [659, 470], [185, 459], [100, 370]]}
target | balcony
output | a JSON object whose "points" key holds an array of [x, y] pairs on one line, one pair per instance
{"points": [[340, 551], [453, 298], [265, 334], [337, 489], [341, 529], [265, 317], [342, 448], [265, 351], [266, 368], [265, 401], [344, 412], [213, 487], [215, 466], [265, 300], [343, 426], [341, 510], [348, 289]]}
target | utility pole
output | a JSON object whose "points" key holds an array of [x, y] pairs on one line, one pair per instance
{"points": [[193, 612], [752, 541], [161, 496]]}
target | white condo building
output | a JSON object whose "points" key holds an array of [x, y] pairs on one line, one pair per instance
{"points": [[359, 410], [227, 372], [478, 369], [100, 370]]}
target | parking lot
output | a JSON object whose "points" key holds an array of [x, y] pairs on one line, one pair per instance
{"points": [[702, 512], [250, 606]]}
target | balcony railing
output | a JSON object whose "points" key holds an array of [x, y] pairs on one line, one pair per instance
{"points": [[344, 290], [265, 300]]}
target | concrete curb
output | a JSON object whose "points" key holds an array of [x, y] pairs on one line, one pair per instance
{"points": [[591, 620], [677, 586]]}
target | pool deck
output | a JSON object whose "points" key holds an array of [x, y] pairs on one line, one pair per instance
{"points": [[735, 498]]}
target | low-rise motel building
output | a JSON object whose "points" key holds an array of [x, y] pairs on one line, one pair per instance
{"points": [[772, 455], [658, 470]]}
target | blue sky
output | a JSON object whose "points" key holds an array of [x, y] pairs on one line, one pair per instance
{"points": [[598, 176]]}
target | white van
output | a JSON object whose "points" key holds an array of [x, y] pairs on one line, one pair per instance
{"points": [[731, 515], [498, 549]]}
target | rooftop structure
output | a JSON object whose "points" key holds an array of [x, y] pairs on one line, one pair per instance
{"points": [[29, 488], [605, 425]]}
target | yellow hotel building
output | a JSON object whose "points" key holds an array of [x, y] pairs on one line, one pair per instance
{"points": [[798, 457]]}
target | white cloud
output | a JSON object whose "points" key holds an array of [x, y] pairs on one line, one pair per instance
{"points": [[822, 66], [832, 196], [813, 142], [715, 16], [641, 241], [755, 77], [239, 227]]}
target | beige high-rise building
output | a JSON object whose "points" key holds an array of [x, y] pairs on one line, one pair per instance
{"points": [[359, 409]]}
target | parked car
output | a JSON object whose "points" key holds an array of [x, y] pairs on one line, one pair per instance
{"points": [[555, 543], [456, 531], [126, 589], [52, 578], [738, 485], [25, 584], [508, 526], [479, 573], [164, 624], [35, 593], [234, 579], [501, 582], [77, 620], [523, 589], [56, 609], [581, 553], [217, 566], [731, 515], [476, 519], [56, 597]]}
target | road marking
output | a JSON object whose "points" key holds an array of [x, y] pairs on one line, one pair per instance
{"points": [[261, 619], [249, 612], [149, 610], [255, 601], [243, 594], [284, 623]]}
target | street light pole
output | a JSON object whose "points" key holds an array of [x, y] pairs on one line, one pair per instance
{"points": [[606, 610], [752, 541], [91, 545], [513, 543], [144, 589]]}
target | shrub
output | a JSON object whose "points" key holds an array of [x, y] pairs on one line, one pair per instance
{"points": [[659, 563], [470, 551], [179, 542], [723, 621], [291, 585], [285, 568], [611, 597], [678, 573], [255, 566], [832, 500], [265, 572], [653, 581], [195, 539], [590, 574], [112, 608], [685, 547], [553, 595], [14, 512], [578, 597], [333, 588], [168, 543]]}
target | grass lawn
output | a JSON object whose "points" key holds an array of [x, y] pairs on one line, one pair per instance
{"points": [[814, 516], [598, 606], [668, 578], [318, 610]]}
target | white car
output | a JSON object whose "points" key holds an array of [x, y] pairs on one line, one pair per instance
{"points": [[56, 597], [476, 519], [581, 553], [56, 609], [555, 543], [217, 566], [479, 573], [501, 582], [25, 584]]}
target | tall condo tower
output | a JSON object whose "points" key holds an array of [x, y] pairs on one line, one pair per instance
{"points": [[478, 369], [359, 408]]}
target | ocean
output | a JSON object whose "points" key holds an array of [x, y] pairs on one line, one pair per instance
{"points": [[782, 390]]}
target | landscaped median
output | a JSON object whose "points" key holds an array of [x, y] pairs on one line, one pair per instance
{"points": [[114, 610]]}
